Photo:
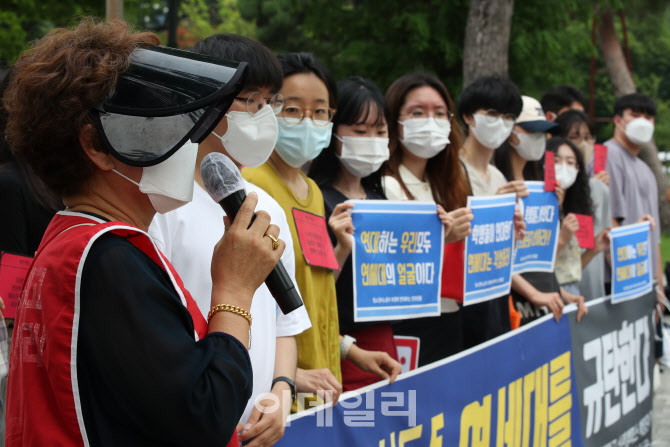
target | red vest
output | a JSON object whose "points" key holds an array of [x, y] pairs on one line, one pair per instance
{"points": [[43, 404]]}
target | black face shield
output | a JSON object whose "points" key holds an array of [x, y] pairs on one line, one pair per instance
{"points": [[164, 99]]}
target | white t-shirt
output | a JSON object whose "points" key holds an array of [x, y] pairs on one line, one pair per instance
{"points": [[187, 237]]}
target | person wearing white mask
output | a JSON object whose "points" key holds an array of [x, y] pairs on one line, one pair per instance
{"points": [[423, 165], [247, 134], [520, 159], [349, 169], [571, 176], [633, 188], [305, 125], [575, 127]]}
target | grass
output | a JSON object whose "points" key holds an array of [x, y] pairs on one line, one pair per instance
{"points": [[665, 247]]}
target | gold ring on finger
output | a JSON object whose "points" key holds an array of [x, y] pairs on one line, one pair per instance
{"points": [[275, 241]]}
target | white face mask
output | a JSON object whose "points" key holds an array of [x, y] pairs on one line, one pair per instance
{"points": [[531, 145], [566, 175], [250, 139], [425, 138], [491, 134], [362, 156], [639, 131], [169, 184]]}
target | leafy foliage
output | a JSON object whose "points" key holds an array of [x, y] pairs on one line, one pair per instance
{"points": [[383, 39]]}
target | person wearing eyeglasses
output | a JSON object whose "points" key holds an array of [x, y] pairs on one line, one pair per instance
{"points": [[423, 165], [305, 126], [247, 134], [489, 107]]}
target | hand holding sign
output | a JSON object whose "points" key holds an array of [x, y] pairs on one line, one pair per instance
{"points": [[343, 227], [461, 226], [517, 186]]}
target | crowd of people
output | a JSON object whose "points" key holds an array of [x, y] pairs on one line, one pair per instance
{"points": [[144, 318]]}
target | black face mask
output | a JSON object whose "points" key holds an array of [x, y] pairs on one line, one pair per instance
{"points": [[164, 99]]}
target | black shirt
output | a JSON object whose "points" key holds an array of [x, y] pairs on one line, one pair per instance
{"points": [[344, 286], [143, 379], [24, 219]]}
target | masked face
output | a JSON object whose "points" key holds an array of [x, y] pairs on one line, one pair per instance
{"points": [[531, 145], [299, 143], [362, 156], [639, 131], [425, 137], [491, 132], [250, 139], [169, 184], [566, 175]]}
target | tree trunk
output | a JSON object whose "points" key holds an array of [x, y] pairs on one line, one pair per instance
{"points": [[610, 46], [114, 9], [622, 80], [487, 39]]}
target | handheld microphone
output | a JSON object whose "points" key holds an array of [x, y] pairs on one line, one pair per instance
{"points": [[224, 183]]}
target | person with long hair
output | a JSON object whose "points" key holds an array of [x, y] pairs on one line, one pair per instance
{"points": [[576, 128], [571, 175], [119, 352], [305, 126], [520, 159], [423, 165], [349, 169]]}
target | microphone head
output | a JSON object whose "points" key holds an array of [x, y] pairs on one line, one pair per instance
{"points": [[220, 176]]}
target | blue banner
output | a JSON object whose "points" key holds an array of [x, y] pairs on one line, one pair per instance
{"points": [[397, 259], [631, 265], [537, 251], [488, 249], [511, 391]]}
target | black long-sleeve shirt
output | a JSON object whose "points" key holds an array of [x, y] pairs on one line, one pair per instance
{"points": [[143, 379]]}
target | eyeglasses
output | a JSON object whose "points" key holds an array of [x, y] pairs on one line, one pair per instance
{"points": [[442, 117], [256, 101], [294, 115], [492, 114]]}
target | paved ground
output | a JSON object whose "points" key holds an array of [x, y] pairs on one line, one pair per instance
{"points": [[661, 413]]}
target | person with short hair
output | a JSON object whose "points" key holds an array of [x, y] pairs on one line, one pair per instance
{"points": [[247, 134], [561, 99], [118, 352], [633, 188]]}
